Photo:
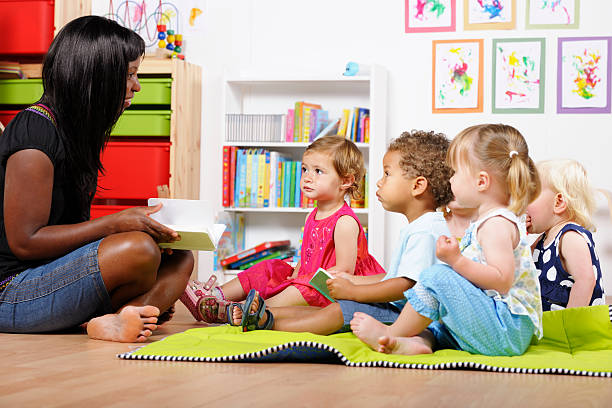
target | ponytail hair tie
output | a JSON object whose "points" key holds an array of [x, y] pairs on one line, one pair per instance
{"points": [[513, 153]]}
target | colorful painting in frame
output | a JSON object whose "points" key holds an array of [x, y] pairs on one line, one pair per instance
{"points": [[489, 14], [518, 75], [457, 76], [584, 74], [549, 14], [426, 16]]}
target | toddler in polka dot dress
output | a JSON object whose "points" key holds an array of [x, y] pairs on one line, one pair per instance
{"points": [[564, 254]]}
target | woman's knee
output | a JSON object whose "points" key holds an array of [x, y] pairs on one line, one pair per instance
{"points": [[131, 252]]}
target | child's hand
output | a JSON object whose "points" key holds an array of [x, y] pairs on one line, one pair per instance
{"points": [[447, 249], [340, 288], [294, 274]]}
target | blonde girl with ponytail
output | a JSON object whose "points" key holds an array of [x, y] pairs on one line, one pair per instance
{"points": [[486, 299]]}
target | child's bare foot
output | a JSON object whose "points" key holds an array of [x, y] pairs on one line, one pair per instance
{"points": [[403, 345], [132, 325], [368, 329]]}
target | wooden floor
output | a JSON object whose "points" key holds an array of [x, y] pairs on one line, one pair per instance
{"points": [[70, 370]]}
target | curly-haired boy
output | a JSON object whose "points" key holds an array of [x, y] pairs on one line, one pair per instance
{"points": [[415, 183]]}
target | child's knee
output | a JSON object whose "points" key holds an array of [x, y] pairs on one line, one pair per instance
{"points": [[438, 275]]}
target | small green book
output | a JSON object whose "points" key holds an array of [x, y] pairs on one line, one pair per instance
{"points": [[318, 281]]}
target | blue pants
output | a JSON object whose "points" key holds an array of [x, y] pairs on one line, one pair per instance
{"points": [[59, 295], [465, 318]]}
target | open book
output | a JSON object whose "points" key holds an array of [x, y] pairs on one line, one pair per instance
{"points": [[192, 219]]}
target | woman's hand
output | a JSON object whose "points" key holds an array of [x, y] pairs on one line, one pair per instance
{"points": [[138, 219], [447, 250]]}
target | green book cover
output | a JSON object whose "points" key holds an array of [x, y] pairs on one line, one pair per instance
{"points": [[318, 281], [263, 258]]}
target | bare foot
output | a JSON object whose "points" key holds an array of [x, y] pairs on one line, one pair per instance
{"points": [[368, 329], [132, 325], [403, 345]]}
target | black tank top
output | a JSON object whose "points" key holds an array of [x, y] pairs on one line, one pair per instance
{"points": [[34, 129]]}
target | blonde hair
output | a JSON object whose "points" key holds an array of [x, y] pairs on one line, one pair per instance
{"points": [[502, 151], [568, 178], [346, 158], [423, 154]]}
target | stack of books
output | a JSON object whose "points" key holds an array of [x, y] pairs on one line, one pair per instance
{"points": [[242, 127], [355, 125], [266, 250]]}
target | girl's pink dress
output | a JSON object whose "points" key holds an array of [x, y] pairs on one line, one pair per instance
{"points": [[269, 277]]}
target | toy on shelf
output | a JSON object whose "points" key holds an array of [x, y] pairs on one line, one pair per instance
{"points": [[160, 27], [170, 41]]}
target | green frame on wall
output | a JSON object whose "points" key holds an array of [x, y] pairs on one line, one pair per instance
{"points": [[540, 108], [575, 24]]}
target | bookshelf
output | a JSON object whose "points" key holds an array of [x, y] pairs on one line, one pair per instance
{"points": [[274, 94]]}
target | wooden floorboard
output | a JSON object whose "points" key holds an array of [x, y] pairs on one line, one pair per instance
{"points": [[68, 369]]}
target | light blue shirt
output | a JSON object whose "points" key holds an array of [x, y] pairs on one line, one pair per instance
{"points": [[417, 248]]}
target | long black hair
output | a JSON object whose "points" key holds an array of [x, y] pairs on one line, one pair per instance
{"points": [[84, 78]]}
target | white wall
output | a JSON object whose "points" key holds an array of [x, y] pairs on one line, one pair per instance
{"points": [[292, 35]]}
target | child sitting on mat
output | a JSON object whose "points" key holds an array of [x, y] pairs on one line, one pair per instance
{"points": [[570, 274], [415, 182], [332, 168]]}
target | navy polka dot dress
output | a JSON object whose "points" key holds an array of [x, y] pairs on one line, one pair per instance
{"points": [[555, 282]]}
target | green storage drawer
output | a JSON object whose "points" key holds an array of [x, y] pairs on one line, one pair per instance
{"points": [[143, 123], [20, 91], [153, 91]]}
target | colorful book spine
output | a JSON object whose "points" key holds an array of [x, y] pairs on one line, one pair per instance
{"points": [[226, 176], [273, 255], [232, 201], [366, 131], [261, 178], [297, 124], [305, 134], [344, 120], [279, 183], [241, 187], [297, 190], [366, 199], [290, 121], [286, 183], [292, 185], [251, 258], [249, 177], [272, 179], [266, 179]]}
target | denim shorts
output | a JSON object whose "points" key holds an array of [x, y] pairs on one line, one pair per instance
{"points": [[62, 294], [383, 312]]}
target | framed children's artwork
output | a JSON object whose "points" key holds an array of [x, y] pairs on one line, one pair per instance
{"points": [[584, 74], [549, 14], [457, 76], [518, 75], [489, 14], [426, 16]]}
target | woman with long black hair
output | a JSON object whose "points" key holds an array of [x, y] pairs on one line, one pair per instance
{"points": [[58, 268]]}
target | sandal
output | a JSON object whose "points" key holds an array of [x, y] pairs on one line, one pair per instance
{"points": [[202, 303], [250, 321]]}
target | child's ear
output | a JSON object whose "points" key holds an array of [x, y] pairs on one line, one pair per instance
{"points": [[560, 205], [419, 186], [484, 181], [347, 182]]}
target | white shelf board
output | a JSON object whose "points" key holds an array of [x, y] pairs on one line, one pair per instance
{"points": [[263, 79], [282, 144], [283, 210]]}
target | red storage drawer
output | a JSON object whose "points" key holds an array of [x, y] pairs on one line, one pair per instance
{"points": [[6, 116], [134, 169], [27, 27], [98, 211]]}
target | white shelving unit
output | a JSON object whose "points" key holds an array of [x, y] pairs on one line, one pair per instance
{"points": [[274, 94]]}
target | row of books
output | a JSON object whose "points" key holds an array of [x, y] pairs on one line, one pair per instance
{"points": [[261, 178], [256, 177], [355, 125], [242, 127]]}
